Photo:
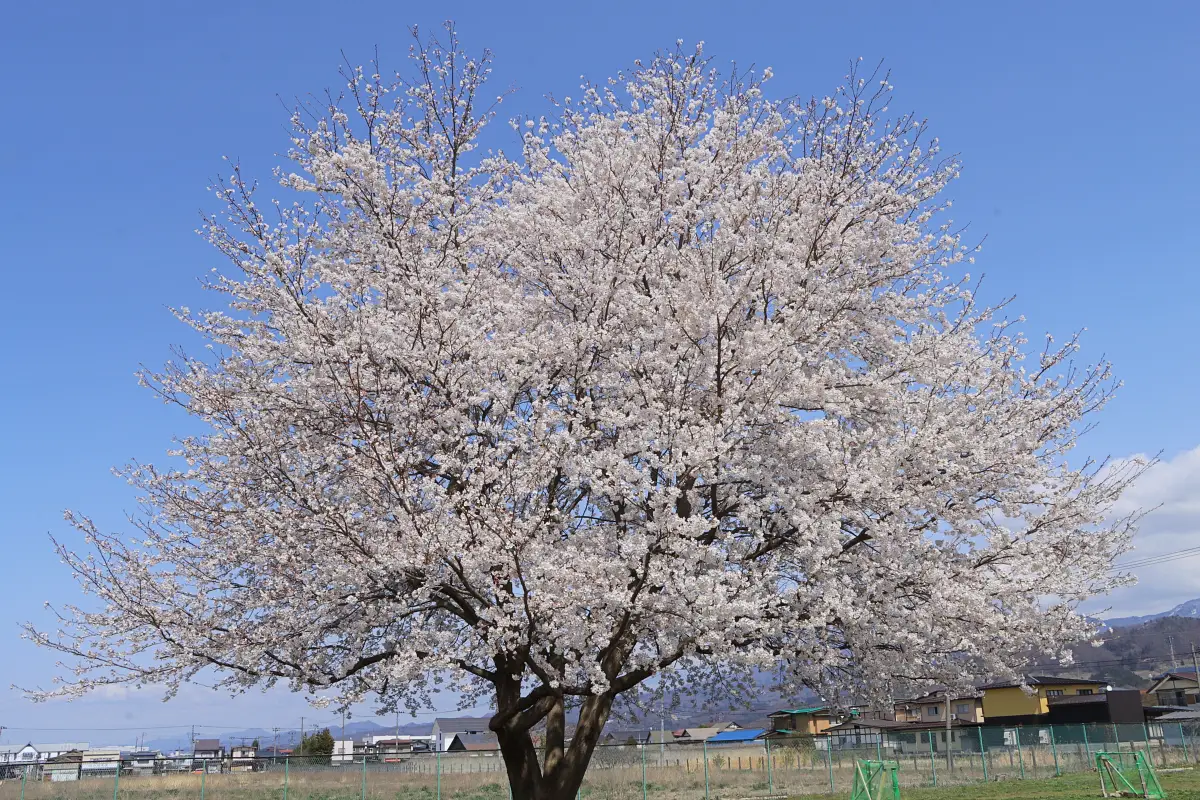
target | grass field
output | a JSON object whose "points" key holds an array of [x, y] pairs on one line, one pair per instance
{"points": [[334, 784]]}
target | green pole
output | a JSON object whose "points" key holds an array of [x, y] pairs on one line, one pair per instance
{"points": [[117, 779], [1054, 750], [771, 772], [644, 770], [1020, 756], [1117, 737], [1183, 741], [982, 754], [285, 777], [705, 745], [25, 777], [439, 775], [203, 774], [829, 761], [1087, 751], [1149, 752], [932, 762], [364, 778], [879, 747]]}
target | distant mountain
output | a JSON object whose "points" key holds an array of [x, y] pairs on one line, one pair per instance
{"points": [[1191, 608]]}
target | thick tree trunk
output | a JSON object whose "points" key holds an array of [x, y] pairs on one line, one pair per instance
{"points": [[560, 772]]}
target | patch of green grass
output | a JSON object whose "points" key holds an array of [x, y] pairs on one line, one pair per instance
{"points": [[1082, 786]]}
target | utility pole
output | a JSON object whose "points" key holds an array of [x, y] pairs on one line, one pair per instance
{"points": [[1195, 666], [276, 732], [397, 729], [1171, 644], [949, 758], [302, 736]]}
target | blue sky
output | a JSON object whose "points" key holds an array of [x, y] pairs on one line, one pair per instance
{"points": [[1076, 123]]}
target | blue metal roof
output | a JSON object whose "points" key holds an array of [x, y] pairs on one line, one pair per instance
{"points": [[748, 735]]}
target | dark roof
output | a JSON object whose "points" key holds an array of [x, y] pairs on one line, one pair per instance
{"points": [[625, 736], [208, 744], [478, 741], [743, 735], [809, 710], [462, 724], [1042, 680], [881, 724], [145, 754]]}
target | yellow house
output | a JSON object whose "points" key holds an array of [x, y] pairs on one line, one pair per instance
{"points": [[1011, 701], [802, 721], [932, 708]]}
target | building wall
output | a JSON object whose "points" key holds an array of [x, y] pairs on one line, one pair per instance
{"points": [[1012, 701]]}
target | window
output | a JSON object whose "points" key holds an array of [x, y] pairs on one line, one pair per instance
{"points": [[962, 709], [1085, 691], [933, 711], [1054, 693]]}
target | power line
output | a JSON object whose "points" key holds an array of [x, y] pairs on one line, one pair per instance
{"points": [[1161, 558]]}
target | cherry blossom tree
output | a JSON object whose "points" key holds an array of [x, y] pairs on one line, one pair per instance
{"points": [[692, 387]]}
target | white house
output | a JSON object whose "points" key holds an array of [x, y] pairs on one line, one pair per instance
{"points": [[36, 753], [446, 728]]}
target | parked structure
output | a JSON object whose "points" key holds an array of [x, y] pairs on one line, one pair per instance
{"points": [[208, 755], [243, 758], [62, 768]]}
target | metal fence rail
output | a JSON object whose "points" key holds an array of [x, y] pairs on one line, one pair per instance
{"points": [[760, 768]]}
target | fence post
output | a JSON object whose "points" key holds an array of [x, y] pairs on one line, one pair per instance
{"points": [[1020, 755], [285, 777], [1087, 751], [117, 779], [644, 770], [829, 761], [705, 744], [438, 767], [982, 753], [932, 761], [1117, 737], [1149, 750], [364, 778], [771, 772], [1054, 750], [25, 777], [203, 775], [1184, 742]]}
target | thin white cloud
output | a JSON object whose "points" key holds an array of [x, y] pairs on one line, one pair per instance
{"points": [[1170, 492]]}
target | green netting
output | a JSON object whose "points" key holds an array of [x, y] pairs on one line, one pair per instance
{"points": [[1128, 774], [875, 780]]}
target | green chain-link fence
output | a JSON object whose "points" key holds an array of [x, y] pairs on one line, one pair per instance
{"points": [[773, 767]]}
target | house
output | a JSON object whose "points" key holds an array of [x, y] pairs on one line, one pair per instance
{"points": [[737, 736], [661, 737], [63, 767], [478, 743], [394, 748], [102, 762], [243, 758], [343, 751], [445, 728], [177, 761], [207, 754], [614, 738], [802, 721], [931, 708], [1175, 688], [1008, 702], [898, 737], [696, 735], [144, 762], [36, 753]]}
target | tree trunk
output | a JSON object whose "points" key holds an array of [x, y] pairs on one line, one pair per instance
{"points": [[560, 772]]}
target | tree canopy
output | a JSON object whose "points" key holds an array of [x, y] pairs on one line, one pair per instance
{"points": [[692, 386]]}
